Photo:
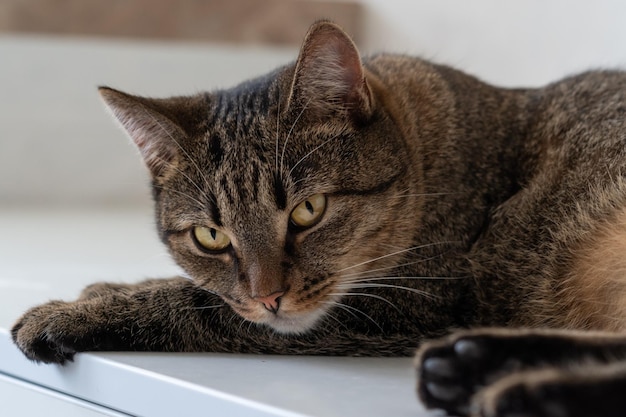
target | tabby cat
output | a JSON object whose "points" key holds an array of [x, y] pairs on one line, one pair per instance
{"points": [[358, 207]]}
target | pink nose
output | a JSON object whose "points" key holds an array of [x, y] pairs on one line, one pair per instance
{"points": [[272, 301]]}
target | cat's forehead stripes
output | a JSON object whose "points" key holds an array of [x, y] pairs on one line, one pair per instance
{"points": [[244, 144], [265, 156], [216, 215], [216, 153], [280, 193]]}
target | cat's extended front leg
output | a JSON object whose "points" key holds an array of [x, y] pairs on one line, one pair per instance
{"points": [[175, 315], [163, 315]]}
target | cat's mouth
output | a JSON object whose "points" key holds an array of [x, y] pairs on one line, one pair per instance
{"points": [[288, 319]]}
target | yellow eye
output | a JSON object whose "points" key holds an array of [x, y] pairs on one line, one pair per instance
{"points": [[210, 238], [310, 211]]}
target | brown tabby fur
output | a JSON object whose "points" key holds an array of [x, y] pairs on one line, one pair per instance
{"points": [[450, 203]]}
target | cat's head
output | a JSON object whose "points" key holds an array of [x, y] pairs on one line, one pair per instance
{"points": [[279, 193]]}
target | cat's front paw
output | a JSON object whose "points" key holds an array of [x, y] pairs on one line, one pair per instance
{"points": [[451, 371], [447, 377], [54, 332]]}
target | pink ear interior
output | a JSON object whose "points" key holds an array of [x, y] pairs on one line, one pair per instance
{"points": [[155, 135], [329, 74]]}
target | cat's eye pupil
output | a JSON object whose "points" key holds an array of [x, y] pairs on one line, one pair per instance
{"points": [[309, 212], [210, 238]]}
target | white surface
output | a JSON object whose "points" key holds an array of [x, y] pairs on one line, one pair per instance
{"points": [[54, 254], [18, 398]]}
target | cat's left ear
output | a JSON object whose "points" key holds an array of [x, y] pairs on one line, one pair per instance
{"points": [[152, 125], [329, 77]]}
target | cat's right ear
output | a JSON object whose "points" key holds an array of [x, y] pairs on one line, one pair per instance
{"points": [[329, 78], [146, 121]]}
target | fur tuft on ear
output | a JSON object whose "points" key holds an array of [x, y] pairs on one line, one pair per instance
{"points": [[329, 76], [157, 136]]}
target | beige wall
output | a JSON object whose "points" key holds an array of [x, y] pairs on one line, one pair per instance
{"points": [[529, 42], [58, 145]]}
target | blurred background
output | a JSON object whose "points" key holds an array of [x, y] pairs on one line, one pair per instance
{"points": [[74, 195], [59, 147]]}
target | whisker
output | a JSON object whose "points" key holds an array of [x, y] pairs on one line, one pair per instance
{"points": [[250, 324], [310, 153], [203, 288], [200, 204], [202, 192], [179, 146], [282, 156], [195, 184], [231, 319], [398, 287], [329, 315], [340, 305], [349, 308], [353, 274], [299, 181], [205, 307], [382, 278], [377, 297], [392, 254], [243, 320]]}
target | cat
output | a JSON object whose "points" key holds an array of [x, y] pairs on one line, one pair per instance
{"points": [[348, 206]]}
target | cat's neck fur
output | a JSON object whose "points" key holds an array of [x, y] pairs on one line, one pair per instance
{"points": [[468, 139]]}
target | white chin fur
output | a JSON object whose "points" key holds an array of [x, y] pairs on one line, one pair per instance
{"points": [[294, 325]]}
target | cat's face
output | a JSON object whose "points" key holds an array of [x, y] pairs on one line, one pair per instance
{"points": [[278, 194]]}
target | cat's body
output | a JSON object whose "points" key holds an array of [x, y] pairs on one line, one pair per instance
{"points": [[359, 210]]}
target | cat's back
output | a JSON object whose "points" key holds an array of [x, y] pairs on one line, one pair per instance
{"points": [[587, 108], [581, 123], [551, 161], [566, 226]]}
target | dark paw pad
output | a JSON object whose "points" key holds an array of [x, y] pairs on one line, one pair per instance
{"points": [[447, 374]]}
